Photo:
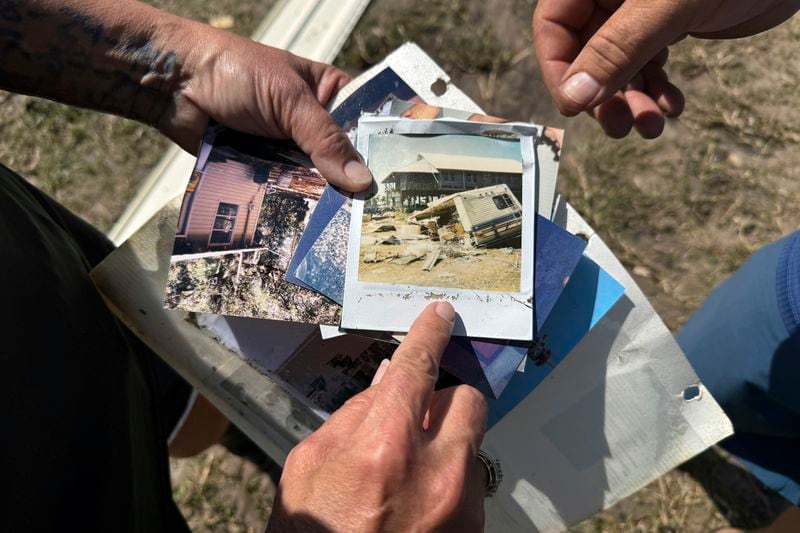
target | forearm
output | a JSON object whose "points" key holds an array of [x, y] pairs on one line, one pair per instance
{"points": [[127, 58], [117, 56]]}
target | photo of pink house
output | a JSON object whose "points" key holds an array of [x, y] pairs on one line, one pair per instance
{"points": [[224, 198]]}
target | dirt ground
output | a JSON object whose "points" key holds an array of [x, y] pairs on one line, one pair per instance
{"points": [[490, 269], [681, 212]]}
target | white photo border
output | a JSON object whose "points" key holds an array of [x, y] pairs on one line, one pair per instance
{"points": [[484, 314]]}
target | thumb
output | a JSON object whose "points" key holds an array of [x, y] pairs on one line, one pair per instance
{"points": [[318, 135], [624, 44]]}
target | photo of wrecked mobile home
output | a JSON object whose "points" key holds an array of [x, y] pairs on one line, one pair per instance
{"points": [[489, 216], [443, 218]]}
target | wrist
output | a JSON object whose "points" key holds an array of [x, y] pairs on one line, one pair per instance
{"points": [[165, 57], [180, 79]]}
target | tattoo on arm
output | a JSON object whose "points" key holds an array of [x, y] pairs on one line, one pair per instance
{"points": [[77, 53]]}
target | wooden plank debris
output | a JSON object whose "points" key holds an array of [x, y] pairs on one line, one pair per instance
{"points": [[446, 235], [238, 270], [409, 231], [430, 261], [406, 259]]}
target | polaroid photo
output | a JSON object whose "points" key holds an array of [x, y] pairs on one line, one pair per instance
{"points": [[325, 272], [242, 215], [325, 262], [211, 240], [327, 373], [409, 84], [557, 255], [445, 223], [329, 204]]}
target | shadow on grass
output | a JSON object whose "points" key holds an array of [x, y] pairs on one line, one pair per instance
{"points": [[738, 495]]}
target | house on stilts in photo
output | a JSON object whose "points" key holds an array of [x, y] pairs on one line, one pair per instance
{"points": [[433, 176]]}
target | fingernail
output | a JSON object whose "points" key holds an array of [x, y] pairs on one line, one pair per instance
{"points": [[380, 372], [358, 173], [581, 88], [446, 311]]}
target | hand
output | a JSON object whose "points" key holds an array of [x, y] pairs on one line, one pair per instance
{"points": [[607, 56], [264, 91], [128, 58], [398, 456]]}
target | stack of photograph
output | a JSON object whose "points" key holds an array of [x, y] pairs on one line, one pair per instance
{"points": [[461, 209]]}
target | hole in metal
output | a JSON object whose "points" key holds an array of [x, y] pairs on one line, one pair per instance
{"points": [[439, 87], [582, 236], [691, 392]]}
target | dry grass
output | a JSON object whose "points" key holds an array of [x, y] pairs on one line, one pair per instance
{"points": [[681, 212], [219, 491]]}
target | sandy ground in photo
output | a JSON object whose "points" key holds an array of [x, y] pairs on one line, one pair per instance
{"points": [[681, 212], [458, 265], [482, 269]]}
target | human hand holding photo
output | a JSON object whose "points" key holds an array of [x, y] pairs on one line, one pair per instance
{"points": [[269, 92], [130, 59]]}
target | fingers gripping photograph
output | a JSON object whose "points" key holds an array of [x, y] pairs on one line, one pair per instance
{"points": [[277, 265]]}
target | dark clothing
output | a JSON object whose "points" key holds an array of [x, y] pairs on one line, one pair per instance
{"points": [[85, 408]]}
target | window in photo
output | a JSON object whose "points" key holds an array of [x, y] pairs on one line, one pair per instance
{"points": [[224, 222], [503, 201]]}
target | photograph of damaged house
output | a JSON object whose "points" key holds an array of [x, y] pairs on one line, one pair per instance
{"points": [[242, 215], [447, 213]]}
